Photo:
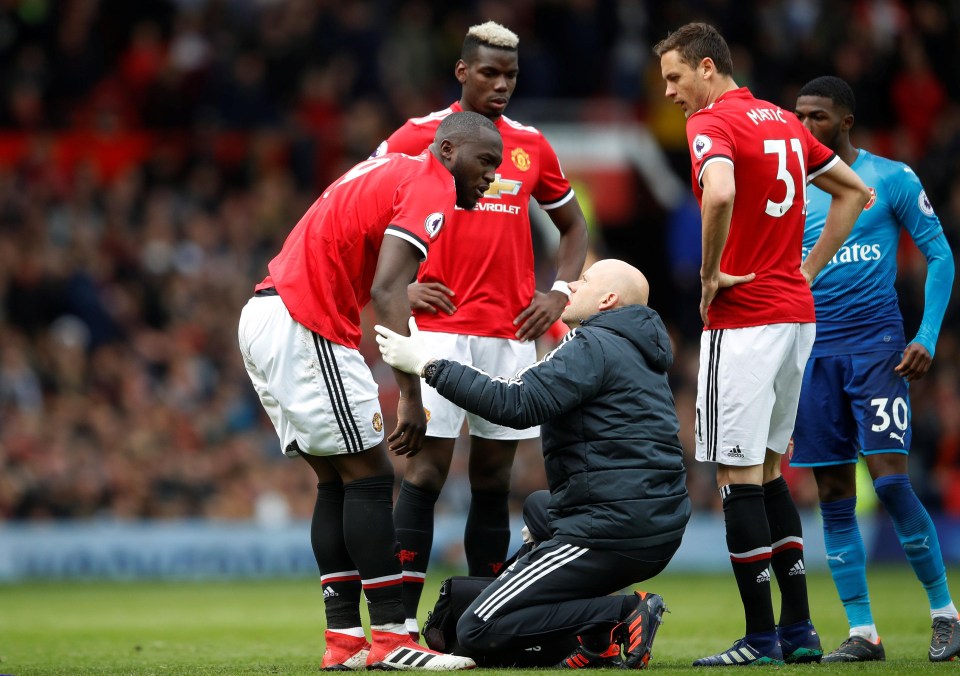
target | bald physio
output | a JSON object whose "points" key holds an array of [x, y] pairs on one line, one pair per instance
{"points": [[607, 284], [606, 534]]}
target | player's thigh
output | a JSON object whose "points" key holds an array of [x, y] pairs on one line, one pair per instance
{"points": [[504, 358], [881, 403], [795, 341], [825, 432], [444, 418], [735, 393], [321, 395]]}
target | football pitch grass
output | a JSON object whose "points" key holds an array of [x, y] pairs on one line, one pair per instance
{"points": [[276, 626]]}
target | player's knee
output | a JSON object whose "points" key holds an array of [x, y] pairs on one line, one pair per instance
{"points": [[428, 475], [490, 471], [428, 469], [835, 482], [497, 481], [833, 492]]}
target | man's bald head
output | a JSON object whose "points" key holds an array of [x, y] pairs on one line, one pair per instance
{"points": [[623, 279], [605, 285]]}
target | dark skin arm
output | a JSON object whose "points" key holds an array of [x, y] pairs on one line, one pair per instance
{"points": [[546, 308], [396, 266]]}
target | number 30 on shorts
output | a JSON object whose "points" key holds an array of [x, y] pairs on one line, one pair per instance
{"points": [[900, 414]]}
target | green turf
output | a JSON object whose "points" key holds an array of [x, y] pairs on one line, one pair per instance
{"points": [[276, 627]]}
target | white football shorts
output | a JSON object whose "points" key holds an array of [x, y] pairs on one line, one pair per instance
{"points": [[495, 356], [318, 394], [748, 389]]}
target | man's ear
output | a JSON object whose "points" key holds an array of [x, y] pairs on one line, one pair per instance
{"points": [[706, 67], [608, 301], [447, 149], [846, 123], [460, 71]]}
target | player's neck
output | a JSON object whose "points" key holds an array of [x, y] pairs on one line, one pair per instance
{"points": [[847, 152], [723, 86]]}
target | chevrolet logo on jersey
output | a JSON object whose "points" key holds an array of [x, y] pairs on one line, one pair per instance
{"points": [[502, 186]]}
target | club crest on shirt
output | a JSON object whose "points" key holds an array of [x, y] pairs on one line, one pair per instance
{"points": [[924, 203], [701, 144], [426, 412], [872, 200], [433, 223], [377, 422], [521, 160]]}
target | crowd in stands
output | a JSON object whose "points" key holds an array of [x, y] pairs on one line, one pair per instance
{"points": [[154, 154]]}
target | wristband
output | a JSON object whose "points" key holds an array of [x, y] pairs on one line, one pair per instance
{"points": [[562, 287]]}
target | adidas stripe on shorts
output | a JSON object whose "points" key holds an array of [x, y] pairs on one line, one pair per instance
{"points": [[318, 394], [748, 389]]}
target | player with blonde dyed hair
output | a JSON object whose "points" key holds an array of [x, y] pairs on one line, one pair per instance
{"points": [[490, 33], [477, 302]]}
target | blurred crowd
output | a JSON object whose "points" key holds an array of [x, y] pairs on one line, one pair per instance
{"points": [[154, 154]]}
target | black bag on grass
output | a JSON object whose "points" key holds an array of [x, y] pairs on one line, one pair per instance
{"points": [[456, 594]]}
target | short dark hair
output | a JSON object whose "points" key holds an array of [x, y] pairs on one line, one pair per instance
{"points": [[457, 126], [696, 41], [489, 34], [833, 88]]}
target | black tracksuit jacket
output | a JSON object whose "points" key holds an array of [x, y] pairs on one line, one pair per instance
{"points": [[610, 442]]}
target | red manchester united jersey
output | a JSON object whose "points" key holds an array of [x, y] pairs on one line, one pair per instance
{"points": [[487, 257], [325, 269], [773, 157]]}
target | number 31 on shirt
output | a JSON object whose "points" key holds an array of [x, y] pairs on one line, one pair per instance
{"points": [[778, 147]]}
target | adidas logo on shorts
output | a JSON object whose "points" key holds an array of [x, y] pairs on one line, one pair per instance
{"points": [[734, 452], [764, 575], [797, 569]]}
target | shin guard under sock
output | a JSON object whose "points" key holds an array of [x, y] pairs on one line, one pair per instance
{"points": [[748, 541], [413, 518], [917, 534], [487, 534], [847, 558], [338, 574], [786, 535], [371, 541]]}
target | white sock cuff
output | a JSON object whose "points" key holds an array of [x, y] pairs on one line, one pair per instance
{"points": [[947, 611], [867, 631], [356, 632]]}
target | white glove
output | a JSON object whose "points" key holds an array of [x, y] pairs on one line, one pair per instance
{"points": [[404, 353]]}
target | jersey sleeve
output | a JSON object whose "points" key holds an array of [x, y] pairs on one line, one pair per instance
{"points": [[910, 203], [552, 189], [915, 213], [419, 211], [710, 141], [819, 157]]}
